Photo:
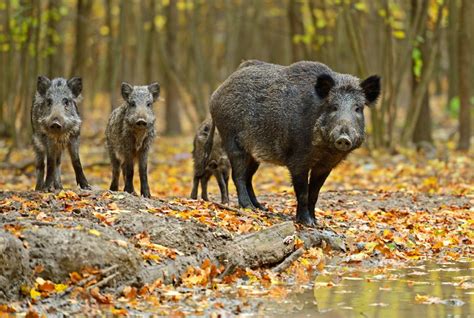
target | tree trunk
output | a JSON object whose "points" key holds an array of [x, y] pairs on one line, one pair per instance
{"points": [[80, 47], [465, 66], [110, 76], [54, 62], [149, 45], [173, 123], [421, 87], [296, 28], [423, 126], [452, 41], [422, 132]]}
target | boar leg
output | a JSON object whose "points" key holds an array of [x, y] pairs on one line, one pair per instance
{"points": [[40, 157], [239, 167], [252, 167], [143, 172], [194, 192], [316, 181], [226, 181], [114, 185], [239, 160], [300, 184], [57, 173], [73, 148], [204, 180], [222, 186], [127, 172], [50, 170]]}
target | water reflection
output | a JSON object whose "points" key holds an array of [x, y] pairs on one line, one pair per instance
{"points": [[428, 290]]}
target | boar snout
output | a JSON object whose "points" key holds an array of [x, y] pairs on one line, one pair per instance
{"points": [[141, 123], [55, 125], [345, 138], [343, 143]]}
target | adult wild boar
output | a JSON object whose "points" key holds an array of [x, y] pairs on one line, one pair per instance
{"points": [[305, 116]]}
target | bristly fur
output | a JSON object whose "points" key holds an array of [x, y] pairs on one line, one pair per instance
{"points": [[126, 140], [55, 104], [304, 116]]}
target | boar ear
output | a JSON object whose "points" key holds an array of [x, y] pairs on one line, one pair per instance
{"points": [[324, 84], [154, 89], [75, 85], [126, 90], [371, 88], [43, 84]]}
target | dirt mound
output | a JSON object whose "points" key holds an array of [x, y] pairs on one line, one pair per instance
{"points": [[63, 251], [15, 271]]}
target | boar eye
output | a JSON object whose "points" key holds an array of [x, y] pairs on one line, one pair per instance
{"points": [[358, 109], [49, 101], [66, 102], [132, 104], [148, 104], [333, 108]]}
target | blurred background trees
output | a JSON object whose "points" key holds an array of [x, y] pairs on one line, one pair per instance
{"points": [[423, 49]]}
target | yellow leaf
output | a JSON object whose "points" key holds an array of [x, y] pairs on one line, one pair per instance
{"points": [[34, 293], [361, 6], [60, 288], [387, 234], [94, 232], [399, 34], [369, 247], [104, 30]]}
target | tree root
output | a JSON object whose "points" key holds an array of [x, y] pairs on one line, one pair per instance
{"points": [[288, 261]]}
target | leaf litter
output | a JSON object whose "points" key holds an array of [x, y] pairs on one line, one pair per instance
{"points": [[394, 212]]}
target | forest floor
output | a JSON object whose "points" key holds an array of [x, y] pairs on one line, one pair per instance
{"points": [[96, 252]]}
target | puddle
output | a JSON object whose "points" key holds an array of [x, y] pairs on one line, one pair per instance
{"points": [[427, 290]]}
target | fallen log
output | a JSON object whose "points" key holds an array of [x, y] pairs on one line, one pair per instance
{"points": [[315, 238], [263, 248]]}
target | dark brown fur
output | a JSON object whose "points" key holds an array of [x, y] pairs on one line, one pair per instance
{"points": [[303, 116]]}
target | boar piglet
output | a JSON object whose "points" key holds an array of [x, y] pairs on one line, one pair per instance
{"points": [[305, 116], [129, 135], [216, 165], [56, 125]]}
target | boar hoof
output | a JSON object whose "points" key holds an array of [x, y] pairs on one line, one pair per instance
{"points": [[261, 207], [86, 187], [306, 219], [146, 194]]}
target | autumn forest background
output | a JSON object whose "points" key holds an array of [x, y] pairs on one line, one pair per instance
{"points": [[422, 49]]}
